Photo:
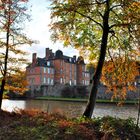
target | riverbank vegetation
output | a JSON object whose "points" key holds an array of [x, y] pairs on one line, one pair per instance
{"points": [[33, 125]]}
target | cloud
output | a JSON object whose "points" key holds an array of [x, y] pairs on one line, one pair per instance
{"points": [[37, 29]]}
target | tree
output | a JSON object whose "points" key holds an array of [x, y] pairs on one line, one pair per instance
{"points": [[119, 75], [93, 27], [17, 82], [13, 13]]}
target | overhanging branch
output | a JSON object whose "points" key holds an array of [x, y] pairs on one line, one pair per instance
{"points": [[89, 18], [119, 25], [115, 6]]}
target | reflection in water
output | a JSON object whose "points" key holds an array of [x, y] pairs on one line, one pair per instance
{"points": [[10, 105], [71, 109]]}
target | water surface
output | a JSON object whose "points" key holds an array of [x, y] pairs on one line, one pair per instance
{"points": [[72, 109]]}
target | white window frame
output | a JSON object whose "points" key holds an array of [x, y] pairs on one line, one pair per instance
{"points": [[48, 63], [70, 82], [44, 80], [75, 82], [49, 71], [61, 80], [48, 81], [45, 70], [83, 82], [52, 81]]}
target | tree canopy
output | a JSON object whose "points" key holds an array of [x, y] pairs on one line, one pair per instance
{"points": [[100, 29], [13, 13], [80, 24]]}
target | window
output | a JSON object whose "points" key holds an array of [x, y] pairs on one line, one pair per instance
{"points": [[44, 80], [70, 82], [61, 71], [87, 82], [83, 82], [52, 71], [86, 74], [83, 74], [61, 80], [48, 63], [61, 62], [45, 70], [51, 81], [83, 67], [70, 59], [74, 82], [32, 80], [48, 70], [48, 81]]}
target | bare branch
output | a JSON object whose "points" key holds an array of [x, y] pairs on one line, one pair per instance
{"points": [[89, 18], [115, 6], [1, 69], [100, 14], [118, 25], [98, 2], [111, 58]]}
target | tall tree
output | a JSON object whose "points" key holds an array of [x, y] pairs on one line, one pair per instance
{"points": [[93, 26], [13, 13], [16, 82]]}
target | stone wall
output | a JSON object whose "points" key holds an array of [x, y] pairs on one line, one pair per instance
{"points": [[58, 90], [103, 94]]}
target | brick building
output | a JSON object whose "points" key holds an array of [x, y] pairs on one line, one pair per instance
{"points": [[56, 68]]}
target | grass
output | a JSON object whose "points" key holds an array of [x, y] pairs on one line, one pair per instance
{"points": [[36, 125], [83, 100], [61, 99]]}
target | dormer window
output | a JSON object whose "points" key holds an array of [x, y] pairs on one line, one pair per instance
{"points": [[48, 63], [70, 59]]}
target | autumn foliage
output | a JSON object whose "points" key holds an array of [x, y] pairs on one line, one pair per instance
{"points": [[120, 76], [13, 13], [17, 82], [33, 124]]}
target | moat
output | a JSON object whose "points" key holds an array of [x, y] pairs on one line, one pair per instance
{"points": [[71, 109]]}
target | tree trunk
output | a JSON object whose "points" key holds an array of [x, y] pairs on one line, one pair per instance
{"points": [[6, 59], [96, 78], [1, 92]]}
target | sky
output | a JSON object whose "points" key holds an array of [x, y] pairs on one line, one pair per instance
{"points": [[38, 29]]}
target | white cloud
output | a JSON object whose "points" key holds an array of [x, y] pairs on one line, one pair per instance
{"points": [[38, 29]]}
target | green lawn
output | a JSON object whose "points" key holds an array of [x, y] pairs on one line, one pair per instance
{"points": [[83, 100]]}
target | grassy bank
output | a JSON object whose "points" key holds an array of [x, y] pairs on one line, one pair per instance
{"points": [[35, 125], [83, 100]]}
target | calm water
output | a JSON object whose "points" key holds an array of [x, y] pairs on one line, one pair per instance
{"points": [[71, 109]]}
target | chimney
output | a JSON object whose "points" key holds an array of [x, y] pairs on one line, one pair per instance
{"points": [[51, 54], [47, 53], [34, 58]]}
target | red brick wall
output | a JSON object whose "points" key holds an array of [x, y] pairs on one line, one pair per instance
{"points": [[33, 75], [64, 70], [36, 75]]}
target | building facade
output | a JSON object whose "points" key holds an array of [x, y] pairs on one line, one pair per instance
{"points": [[56, 68]]}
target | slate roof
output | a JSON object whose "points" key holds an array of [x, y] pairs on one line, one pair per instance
{"points": [[58, 55]]}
